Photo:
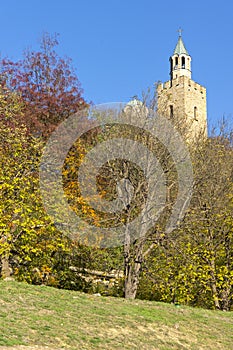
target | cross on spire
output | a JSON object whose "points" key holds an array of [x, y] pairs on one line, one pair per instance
{"points": [[180, 30]]}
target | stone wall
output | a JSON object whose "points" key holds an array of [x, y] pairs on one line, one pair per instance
{"points": [[184, 100]]}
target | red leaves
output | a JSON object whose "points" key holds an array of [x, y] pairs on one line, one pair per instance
{"points": [[47, 84]]}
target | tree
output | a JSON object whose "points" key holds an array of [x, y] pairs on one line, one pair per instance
{"points": [[194, 266], [36, 94], [115, 180], [47, 84], [210, 221]]}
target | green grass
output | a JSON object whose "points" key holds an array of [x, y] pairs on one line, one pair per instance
{"points": [[61, 319]]}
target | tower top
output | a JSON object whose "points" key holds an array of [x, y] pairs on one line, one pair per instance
{"points": [[180, 48], [180, 61]]}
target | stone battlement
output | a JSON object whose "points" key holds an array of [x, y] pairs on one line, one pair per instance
{"points": [[182, 81]]}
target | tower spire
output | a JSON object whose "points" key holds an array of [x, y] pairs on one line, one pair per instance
{"points": [[180, 47], [180, 60]]}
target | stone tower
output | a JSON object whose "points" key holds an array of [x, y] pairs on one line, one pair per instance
{"points": [[182, 99]]}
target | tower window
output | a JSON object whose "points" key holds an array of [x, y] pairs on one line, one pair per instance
{"points": [[183, 62], [176, 63], [195, 113], [171, 111], [171, 64]]}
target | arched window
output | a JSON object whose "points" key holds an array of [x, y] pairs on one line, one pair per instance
{"points": [[171, 111], [176, 62], [195, 113], [183, 62]]}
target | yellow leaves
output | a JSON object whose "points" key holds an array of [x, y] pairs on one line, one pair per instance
{"points": [[10, 104], [28, 231]]}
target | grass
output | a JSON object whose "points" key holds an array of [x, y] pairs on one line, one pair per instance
{"points": [[61, 319]]}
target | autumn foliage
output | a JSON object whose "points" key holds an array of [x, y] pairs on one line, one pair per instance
{"points": [[193, 265], [47, 84], [36, 94]]}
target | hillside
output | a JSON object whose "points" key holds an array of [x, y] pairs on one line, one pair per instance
{"points": [[46, 318]]}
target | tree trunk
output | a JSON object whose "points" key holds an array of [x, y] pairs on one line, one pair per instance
{"points": [[6, 269], [225, 302], [132, 266], [132, 272], [214, 285]]}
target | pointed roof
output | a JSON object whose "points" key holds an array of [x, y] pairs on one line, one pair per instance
{"points": [[180, 48]]}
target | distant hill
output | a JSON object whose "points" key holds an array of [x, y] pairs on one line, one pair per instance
{"points": [[47, 318]]}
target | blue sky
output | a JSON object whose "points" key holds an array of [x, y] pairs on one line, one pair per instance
{"points": [[121, 47]]}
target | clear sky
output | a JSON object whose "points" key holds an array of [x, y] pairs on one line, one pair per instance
{"points": [[121, 47]]}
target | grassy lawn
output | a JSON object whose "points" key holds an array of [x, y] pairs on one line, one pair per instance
{"points": [[61, 319]]}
